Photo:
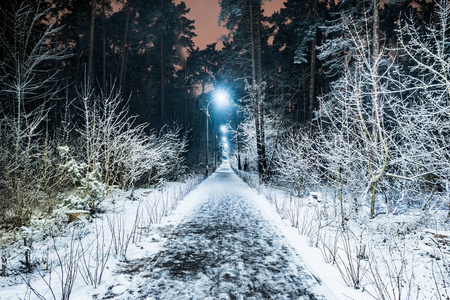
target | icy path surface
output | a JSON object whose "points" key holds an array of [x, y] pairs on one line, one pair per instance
{"points": [[224, 249]]}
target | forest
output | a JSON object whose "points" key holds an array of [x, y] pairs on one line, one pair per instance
{"points": [[344, 102]]}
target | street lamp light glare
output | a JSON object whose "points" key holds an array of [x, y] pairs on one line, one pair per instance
{"points": [[221, 97], [223, 128]]}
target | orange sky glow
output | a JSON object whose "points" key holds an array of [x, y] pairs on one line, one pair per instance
{"points": [[205, 14]]}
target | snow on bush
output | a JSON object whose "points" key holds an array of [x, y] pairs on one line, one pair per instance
{"points": [[93, 190]]}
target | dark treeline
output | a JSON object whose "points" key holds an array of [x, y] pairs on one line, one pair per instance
{"points": [[145, 50]]}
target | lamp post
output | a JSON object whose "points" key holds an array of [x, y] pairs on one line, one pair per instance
{"points": [[221, 97]]}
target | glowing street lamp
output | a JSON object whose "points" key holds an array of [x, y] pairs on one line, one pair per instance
{"points": [[221, 97], [224, 128]]}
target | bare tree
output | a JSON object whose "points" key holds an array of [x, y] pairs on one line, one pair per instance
{"points": [[297, 162], [424, 121], [124, 152], [356, 113], [27, 84]]}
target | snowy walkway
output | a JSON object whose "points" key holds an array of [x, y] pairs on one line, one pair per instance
{"points": [[225, 249]]}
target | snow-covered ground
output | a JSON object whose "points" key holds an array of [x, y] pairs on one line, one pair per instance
{"points": [[394, 256], [225, 240], [84, 258]]}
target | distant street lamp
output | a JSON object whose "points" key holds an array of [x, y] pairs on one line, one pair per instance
{"points": [[224, 128], [222, 98]]}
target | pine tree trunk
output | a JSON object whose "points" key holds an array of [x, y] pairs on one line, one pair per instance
{"points": [[259, 45], [104, 48], [186, 97], [312, 85], [124, 50], [163, 74], [262, 158], [163, 84], [91, 41], [252, 44], [256, 98]]}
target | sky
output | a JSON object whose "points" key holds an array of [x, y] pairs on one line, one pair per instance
{"points": [[205, 14]]}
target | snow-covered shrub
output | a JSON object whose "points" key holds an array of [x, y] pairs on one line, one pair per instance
{"points": [[297, 162], [93, 190], [245, 135], [174, 144], [29, 176], [19, 188], [352, 261], [94, 256], [121, 151]]}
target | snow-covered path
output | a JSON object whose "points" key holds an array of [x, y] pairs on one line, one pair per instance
{"points": [[224, 249]]}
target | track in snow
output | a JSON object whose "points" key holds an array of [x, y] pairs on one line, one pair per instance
{"points": [[224, 250]]}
